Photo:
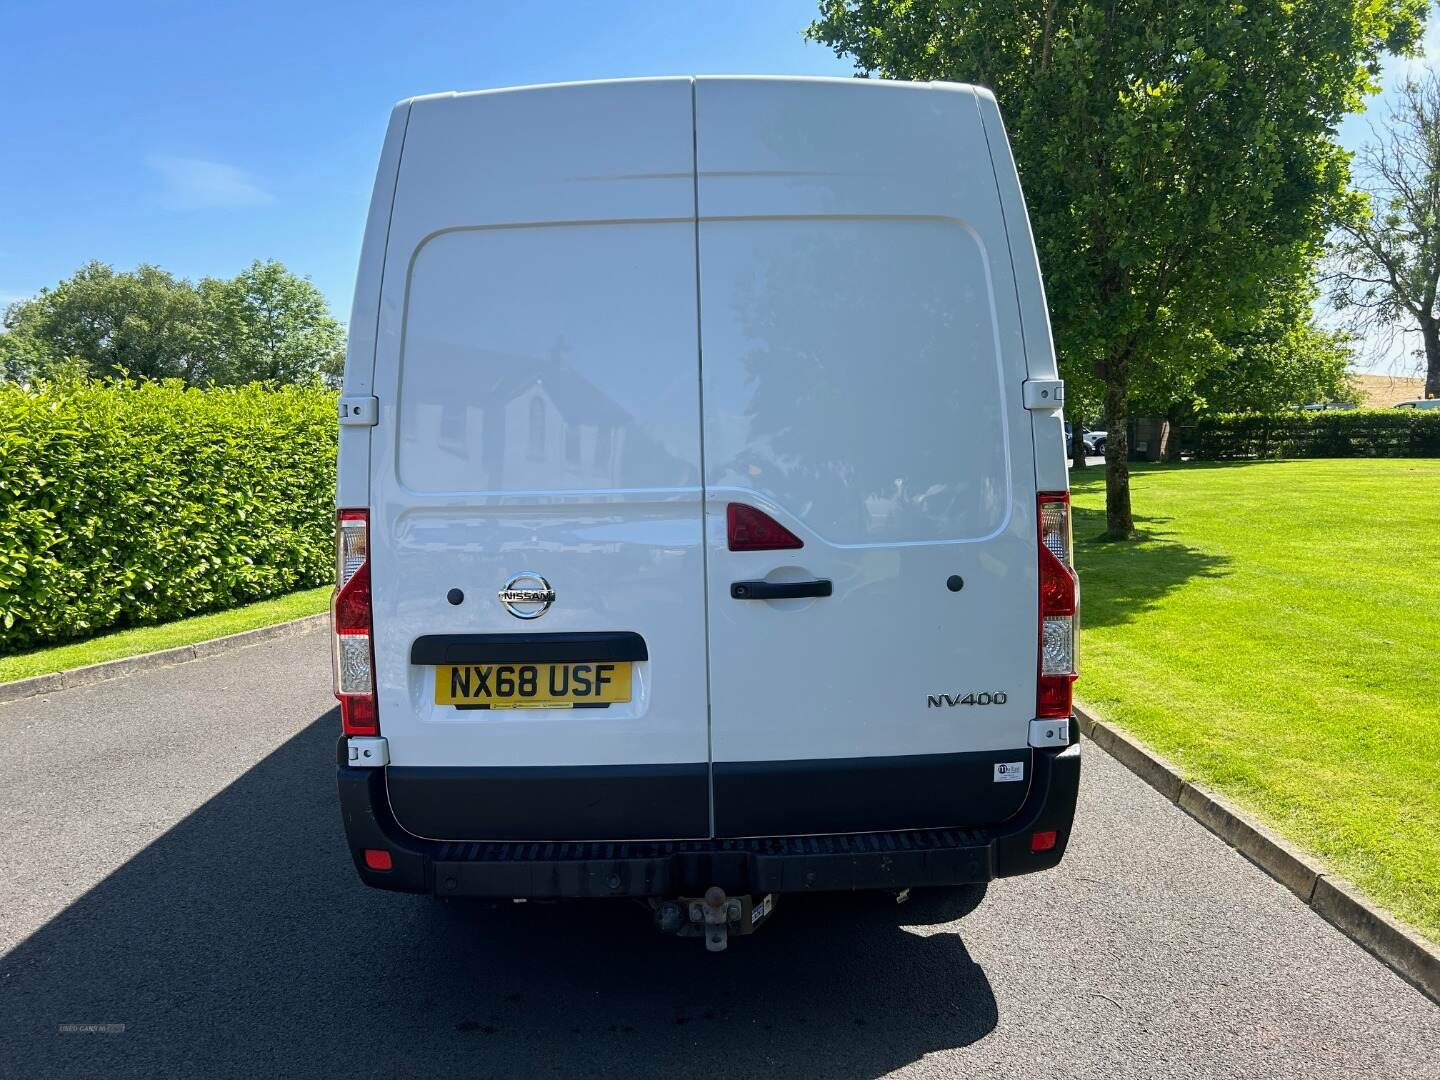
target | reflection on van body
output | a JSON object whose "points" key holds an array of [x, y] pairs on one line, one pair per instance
{"points": [[522, 364], [533, 426]]}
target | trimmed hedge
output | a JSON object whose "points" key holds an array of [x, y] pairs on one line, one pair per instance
{"points": [[131, 503], [1335, 433]]}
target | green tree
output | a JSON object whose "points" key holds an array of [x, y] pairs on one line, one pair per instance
{"points": [[22, 358], [268, 325], [1176, 157], [1084, 396], [1388, 257], [1281, 359], [1281, 362], [263, 325], [146, 322]]}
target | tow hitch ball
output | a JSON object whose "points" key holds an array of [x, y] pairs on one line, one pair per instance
{"points": [[714, 916]]}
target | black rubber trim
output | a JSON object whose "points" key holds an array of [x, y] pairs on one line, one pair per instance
{"points": [[573, 705], [590, 802], [779, 590], [896, 859], [528, 648], [841, 795], [1057, 775]]}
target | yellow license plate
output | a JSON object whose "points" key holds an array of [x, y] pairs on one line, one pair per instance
{"points": [[532, 686]]}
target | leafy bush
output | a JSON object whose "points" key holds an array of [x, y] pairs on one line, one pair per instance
{"points": [[131, 503], [1349, 433]]}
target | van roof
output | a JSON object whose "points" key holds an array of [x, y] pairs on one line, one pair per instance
{"points": [[848, 81]]}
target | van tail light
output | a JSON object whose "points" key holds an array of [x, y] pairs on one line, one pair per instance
{"points": [[748, 529], [1059, 607], [354, 658]]}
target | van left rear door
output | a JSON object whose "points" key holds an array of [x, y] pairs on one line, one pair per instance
{"points": [[538, 377]]}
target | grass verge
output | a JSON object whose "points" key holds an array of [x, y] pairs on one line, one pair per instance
{"points": [[1274, 634], [169, 635]]}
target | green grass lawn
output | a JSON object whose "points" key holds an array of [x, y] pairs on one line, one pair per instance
{"points": [[166, 636], [1276, 633]]}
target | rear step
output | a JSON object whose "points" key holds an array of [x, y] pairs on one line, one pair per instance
{"points": [[855, 844], [691, 867]]}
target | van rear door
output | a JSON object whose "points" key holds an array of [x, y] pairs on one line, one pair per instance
{"points": [[537, 375], [862, 375]]}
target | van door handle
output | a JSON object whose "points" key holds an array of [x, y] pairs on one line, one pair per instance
{"points": [[779, 590]]}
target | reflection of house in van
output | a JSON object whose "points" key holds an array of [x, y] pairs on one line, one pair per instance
{"points": [[537, 425]]}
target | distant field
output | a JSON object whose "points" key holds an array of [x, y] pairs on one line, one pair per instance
{"points": [[1382, 391], [1277, 635]]}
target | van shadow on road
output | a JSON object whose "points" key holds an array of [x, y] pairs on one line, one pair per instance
{"points": [[241, 941]]}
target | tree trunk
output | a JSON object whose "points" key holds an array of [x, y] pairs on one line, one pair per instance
{"points": [[1430, 330], [1119, 523], [1077, 445], [1172, 444]]}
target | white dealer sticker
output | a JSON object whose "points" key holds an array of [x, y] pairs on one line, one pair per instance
{"points": [[761, 909], [1009, 770]]}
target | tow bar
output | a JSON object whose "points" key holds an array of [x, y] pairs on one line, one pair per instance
{"points": [[714, 916]]}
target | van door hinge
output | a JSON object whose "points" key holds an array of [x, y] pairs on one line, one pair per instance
{"points": [[1043, 733], [368, 751], [359, 411], [1044, 394]]}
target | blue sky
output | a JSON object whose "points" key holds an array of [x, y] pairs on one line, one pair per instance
{"points": [[199, 136]]}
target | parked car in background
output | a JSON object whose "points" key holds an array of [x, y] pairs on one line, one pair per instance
{"points": [[1419, 403], [1094, 440]]}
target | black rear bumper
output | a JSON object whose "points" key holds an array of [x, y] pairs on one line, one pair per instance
{"points": [[863, 860]]}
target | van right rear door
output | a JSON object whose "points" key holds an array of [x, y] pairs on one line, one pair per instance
{"points": [[862, 371]]}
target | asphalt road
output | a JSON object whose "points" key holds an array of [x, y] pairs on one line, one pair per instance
{"points": [[174, 873]]}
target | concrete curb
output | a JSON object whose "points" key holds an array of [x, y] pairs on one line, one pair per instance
{"points": [[129, 665], [1332, 898]]}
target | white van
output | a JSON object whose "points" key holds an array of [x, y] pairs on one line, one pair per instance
{"points": [[703, 521]]}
